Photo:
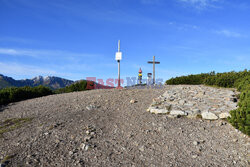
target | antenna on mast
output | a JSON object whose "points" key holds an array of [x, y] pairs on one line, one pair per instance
{"points": [[119, 45], [118, 57]]}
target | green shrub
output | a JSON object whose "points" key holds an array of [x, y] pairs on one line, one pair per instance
{"points": [[13, 94], [190, 79], [78, 86], [240, 118], [242, 83]]}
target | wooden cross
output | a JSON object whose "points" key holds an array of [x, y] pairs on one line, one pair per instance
{"points": [[153, 62]]}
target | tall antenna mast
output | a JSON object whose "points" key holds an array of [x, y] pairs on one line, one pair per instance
{"points": [[118, 57]]}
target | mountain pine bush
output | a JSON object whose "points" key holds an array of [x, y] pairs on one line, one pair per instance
{"points": [[240, 118], [78, 86], [14, 94]]}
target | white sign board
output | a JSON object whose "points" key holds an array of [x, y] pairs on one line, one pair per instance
{"points": [[118, 56]]}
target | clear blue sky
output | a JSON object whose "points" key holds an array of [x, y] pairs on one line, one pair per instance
{"points": [[75, 39]]}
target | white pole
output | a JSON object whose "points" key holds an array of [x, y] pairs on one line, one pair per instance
{"points": [[119, 47]]}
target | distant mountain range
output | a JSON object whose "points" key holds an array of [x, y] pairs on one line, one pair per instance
{"points": [[49, 81]]}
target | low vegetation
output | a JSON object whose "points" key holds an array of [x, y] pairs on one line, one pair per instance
{"points": [[14, 94], [240, 118], [12, 124], [78, 86]]}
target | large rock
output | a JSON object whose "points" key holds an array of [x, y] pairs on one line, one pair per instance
{"points": [[177, 112], [209, 116], [224, 115]]}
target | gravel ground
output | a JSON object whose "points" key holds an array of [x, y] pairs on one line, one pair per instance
{"points": [[106, 128]]}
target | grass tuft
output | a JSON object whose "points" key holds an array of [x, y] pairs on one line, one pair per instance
{"points": [[12, 124]]}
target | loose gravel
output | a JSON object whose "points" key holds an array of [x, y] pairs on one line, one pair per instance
{"points": [[112, 128]]}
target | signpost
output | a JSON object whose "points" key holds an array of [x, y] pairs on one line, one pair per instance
{"points": [[118, 57], [153, 62]]}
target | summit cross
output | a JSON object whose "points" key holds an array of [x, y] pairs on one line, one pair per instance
{"points": [[153, 62]]}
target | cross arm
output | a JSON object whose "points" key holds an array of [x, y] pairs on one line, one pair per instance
{"points": [[151, 62]]}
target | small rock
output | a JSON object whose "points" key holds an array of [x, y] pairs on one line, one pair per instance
{"points": [[57, 141], [91, 107], [177, 112], [195, 143], [87, 138], [133, 101], [194, 156], [182, 102], [82, 146], [71, 153], [235, 140], [149, 109], [202, 141], [224, 115], [159, 111], [86, 148], [171, 98], [46, 133], [141, 148], [189, 104], [209, 116]]}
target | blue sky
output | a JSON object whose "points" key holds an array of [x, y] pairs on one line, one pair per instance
{"points": [[75, 39]]}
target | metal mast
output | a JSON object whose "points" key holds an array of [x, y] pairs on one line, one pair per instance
{"points": [[119, 47], [118, 57]]}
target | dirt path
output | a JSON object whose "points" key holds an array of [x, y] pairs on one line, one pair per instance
{"points": [[111, 131]]}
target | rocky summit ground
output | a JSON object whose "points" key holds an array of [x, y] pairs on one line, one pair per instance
{"points": [[113, 128]]}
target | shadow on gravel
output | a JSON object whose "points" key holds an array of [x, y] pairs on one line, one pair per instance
{"points": [[3, 107]]}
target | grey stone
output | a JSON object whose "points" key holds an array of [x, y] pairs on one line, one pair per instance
{"points": [[86, 148], [159, 111], [224, 115], [91, 107], [82, 146], [188, 104], [171, 98], [195, 143], [182, 102], [71, 153], [194, 156], [177, 112], [141, 148], [235, 140], [133, 101], [87, 138], [209, 116]]}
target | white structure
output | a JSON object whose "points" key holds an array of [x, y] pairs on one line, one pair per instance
{"points": [[149, 79], [118, 55]]}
